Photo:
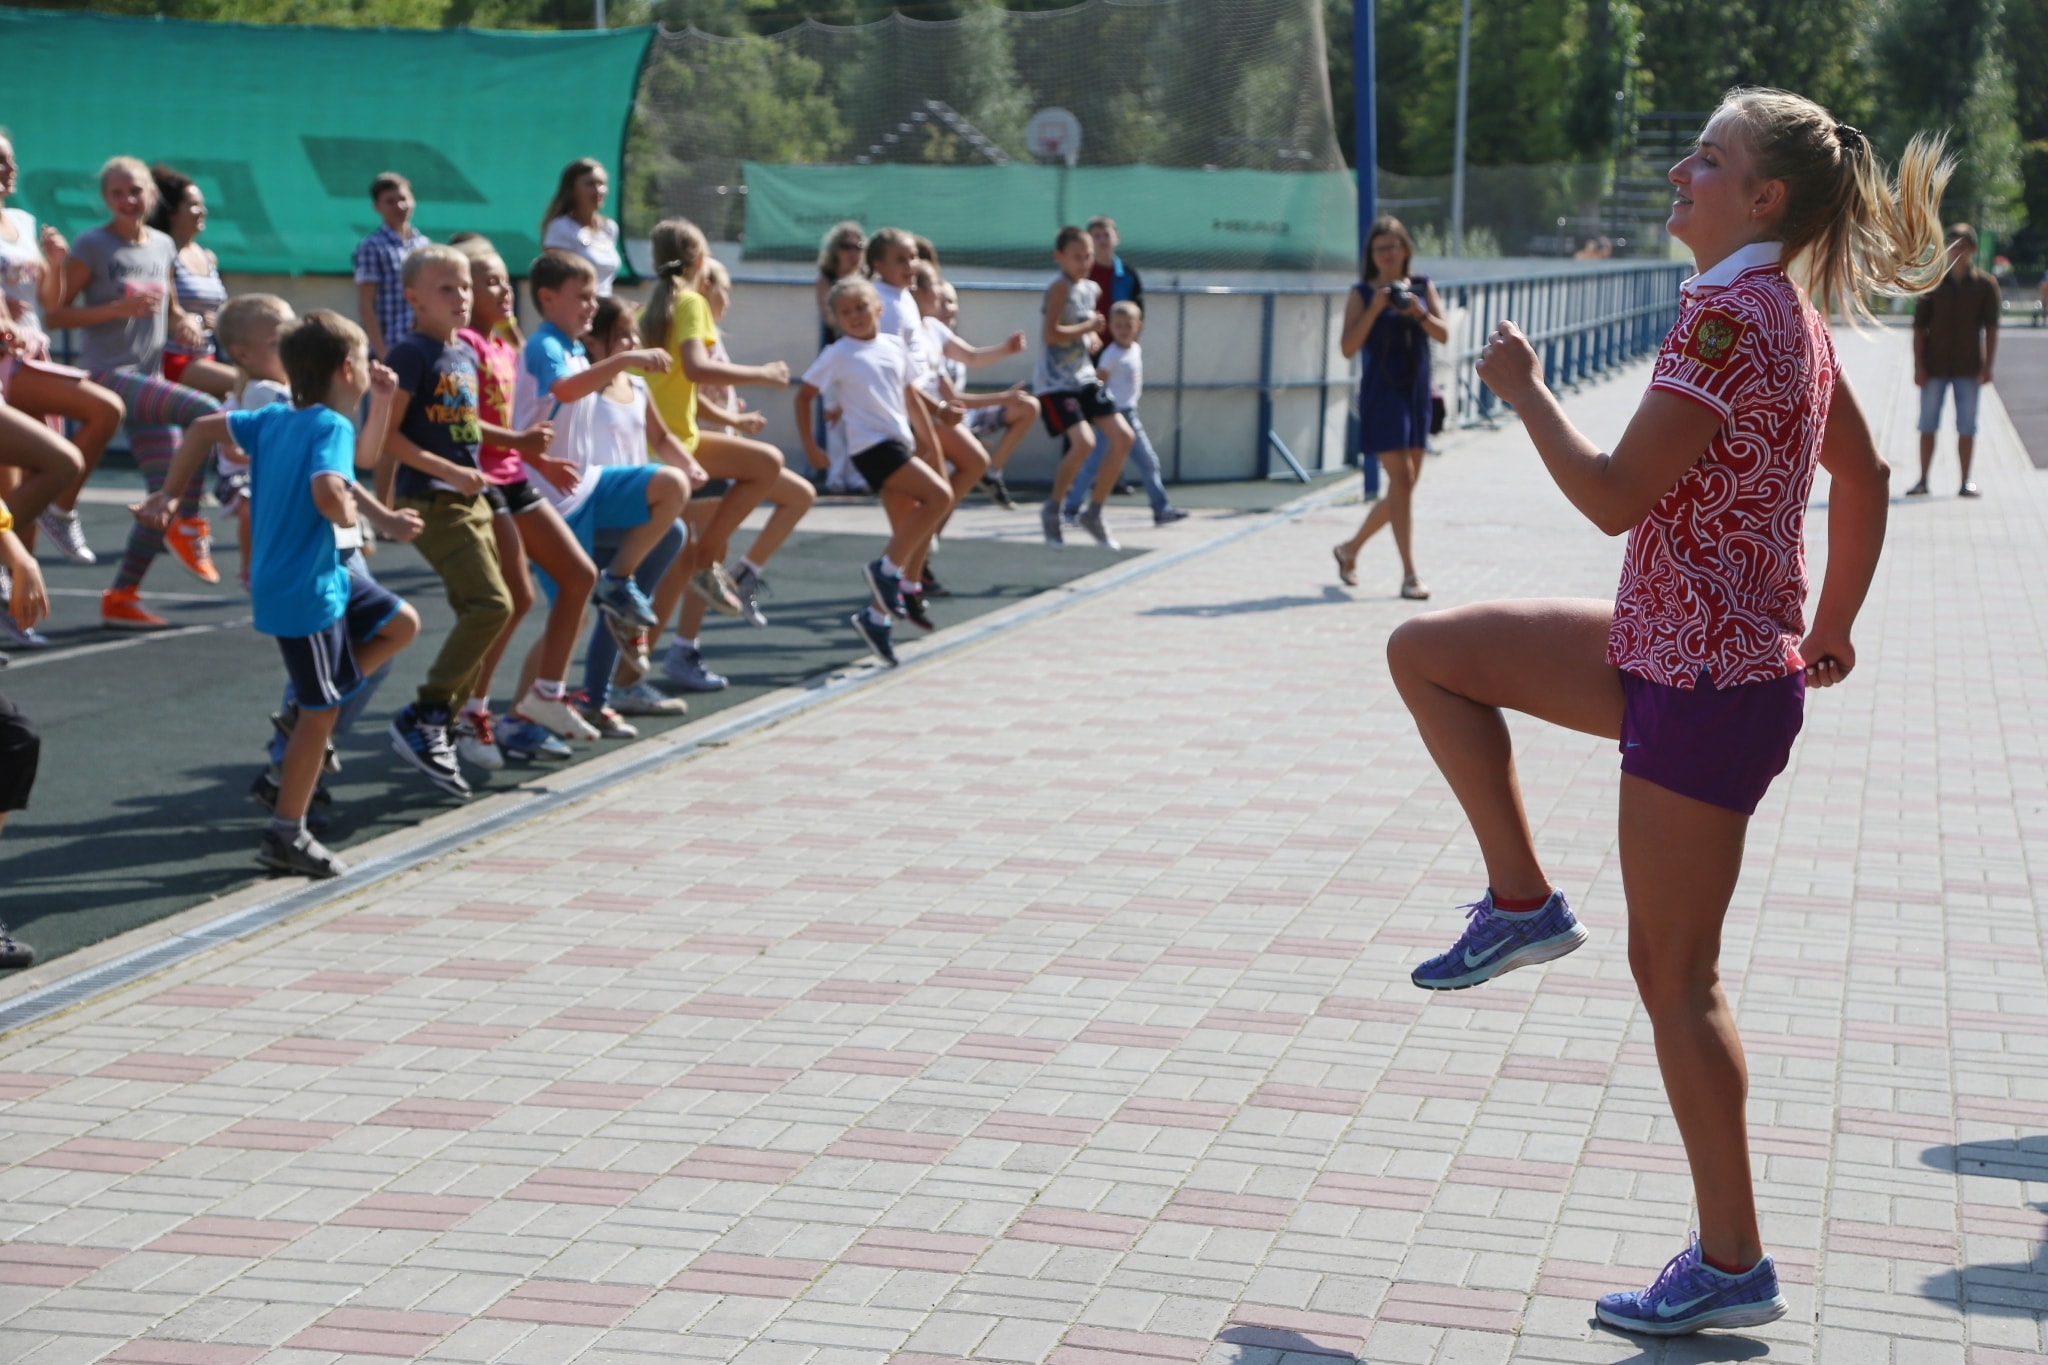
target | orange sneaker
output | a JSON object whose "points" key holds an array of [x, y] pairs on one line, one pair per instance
{"points": [[122, 609], [190, 539]]}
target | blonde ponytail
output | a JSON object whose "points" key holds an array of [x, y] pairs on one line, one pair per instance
{"points": [[1850, 230], [679, 251]]}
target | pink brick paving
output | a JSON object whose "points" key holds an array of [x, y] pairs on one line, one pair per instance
{"points": [[967, 1021]]}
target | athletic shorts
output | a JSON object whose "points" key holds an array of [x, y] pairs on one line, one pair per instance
{"points": [[1720, 745], [618, 503], [878, 462], [511, 499], [21, 749], [985, 421], [712, 489], [323, 665], [1069, 408]]}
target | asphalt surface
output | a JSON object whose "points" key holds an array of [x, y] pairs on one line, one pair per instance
{"points": [[151, 741]]}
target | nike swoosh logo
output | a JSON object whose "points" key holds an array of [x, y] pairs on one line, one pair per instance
{"points": [[1633, 744], [1672, 1310], [1471, 961]]}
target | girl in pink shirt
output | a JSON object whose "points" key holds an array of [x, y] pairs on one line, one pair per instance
{"points": [[1699, 666]]}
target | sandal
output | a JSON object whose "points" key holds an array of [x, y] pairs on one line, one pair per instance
{"points": [[1413, 589], [1347, 566]]}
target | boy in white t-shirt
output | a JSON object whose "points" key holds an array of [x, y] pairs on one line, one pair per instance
{"points": [[1070, 393], [870, 380], [1121, 367]]}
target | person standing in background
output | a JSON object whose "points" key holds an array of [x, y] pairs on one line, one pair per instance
{"points": [[575, 221], [380, 261], [1955, 340], [1118, 282]]}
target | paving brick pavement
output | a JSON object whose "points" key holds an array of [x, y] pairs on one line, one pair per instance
{"points": [[1049, 1004]]}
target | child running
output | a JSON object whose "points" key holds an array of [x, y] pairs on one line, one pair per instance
{"points": [[525, 525], [869, 379], [721, 410], [1009, 411], [640, 501], [1070, 392], [1699, 667], [1122, 367], [334, 628], [678, 320]]}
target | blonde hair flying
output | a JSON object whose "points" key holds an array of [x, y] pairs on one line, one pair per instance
{"points": [[1851, 229]]}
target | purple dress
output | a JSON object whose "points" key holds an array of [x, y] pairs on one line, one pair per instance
{"points": [[1393, 390]]}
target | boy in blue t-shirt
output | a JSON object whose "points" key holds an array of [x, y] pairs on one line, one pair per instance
{"points": [[333, 628]]}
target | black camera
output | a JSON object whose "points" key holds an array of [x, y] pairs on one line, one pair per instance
{"points": [[1398, 298]]}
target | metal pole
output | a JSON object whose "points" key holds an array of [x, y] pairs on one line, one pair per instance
{"points": [[1458, 148], [1364, 120], [600, 14]]}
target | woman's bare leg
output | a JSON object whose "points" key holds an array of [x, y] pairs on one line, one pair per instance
{"points": [[49, 463], [1680, 859], [1458, 669], [1402, 468], [97, 411]]}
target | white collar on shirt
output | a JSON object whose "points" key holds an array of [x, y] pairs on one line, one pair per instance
{"points": [[1741, 259]]}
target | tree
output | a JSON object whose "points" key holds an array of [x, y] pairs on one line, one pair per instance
{"points": [[1945, 65]]}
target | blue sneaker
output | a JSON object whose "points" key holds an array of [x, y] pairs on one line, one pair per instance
{"points": [[876, 637], [1494, 942], [887, 588], [525, 742], [1688, 1294], [420, 737], [621, 599]]}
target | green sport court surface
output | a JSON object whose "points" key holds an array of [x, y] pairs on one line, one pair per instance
{"points": [[141, 807]]}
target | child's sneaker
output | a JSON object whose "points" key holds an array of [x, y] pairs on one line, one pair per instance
{"points": [[1090, 521], [931, 586], [1688, 1295], [998, 491], [421, 739], [190, 541], [749, 587], [555, 714], [476, 741], [875, 635], [1168, 516], [1049, 523], [14, 954], [304, 856], [608, 723], [67, 535], [20, 637], [914, 612], [642, 699], [1495, 941], [684, 666], [714, 586], [622, 600], [634, 643], [887, 587], [122, 609], [524, 742]]}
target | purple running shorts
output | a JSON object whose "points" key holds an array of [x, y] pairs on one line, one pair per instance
{"points": [[1718, 745]]}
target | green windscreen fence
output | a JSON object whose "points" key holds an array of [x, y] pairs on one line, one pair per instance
{"points": [[283, 128], [1008, 215]]}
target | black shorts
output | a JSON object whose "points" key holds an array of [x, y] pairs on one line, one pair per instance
{"points": [[1069, 408], [20, 749], [510, 499], [323, 666], [877, 463], [713, 488]]}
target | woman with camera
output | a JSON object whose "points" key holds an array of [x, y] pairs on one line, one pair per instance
{"points": [[1392, 317]]}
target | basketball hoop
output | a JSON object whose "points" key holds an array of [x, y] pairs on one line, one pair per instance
{"points": [[1054, 134]]}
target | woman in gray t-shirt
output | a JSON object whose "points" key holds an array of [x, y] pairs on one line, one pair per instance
{"points": [[118, 290]]}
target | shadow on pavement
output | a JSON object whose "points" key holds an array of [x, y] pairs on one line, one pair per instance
{"points": [[1330, 596], [2013, 1289]]}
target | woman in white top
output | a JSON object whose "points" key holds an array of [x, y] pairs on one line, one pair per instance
{"points": [[575, 220], [31, 276]]}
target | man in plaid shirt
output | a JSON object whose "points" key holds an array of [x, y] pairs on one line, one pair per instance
{"points": [[380, 298]]}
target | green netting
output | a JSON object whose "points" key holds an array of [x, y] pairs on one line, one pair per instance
{"points": [[284, 127], [1007, 215]]}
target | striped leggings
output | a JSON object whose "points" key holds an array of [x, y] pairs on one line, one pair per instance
{"points": [[158, 413]]}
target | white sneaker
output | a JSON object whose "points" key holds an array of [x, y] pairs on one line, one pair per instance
{"points": [[643, 699], [555, 715], [476, 743], [67, 535]]}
